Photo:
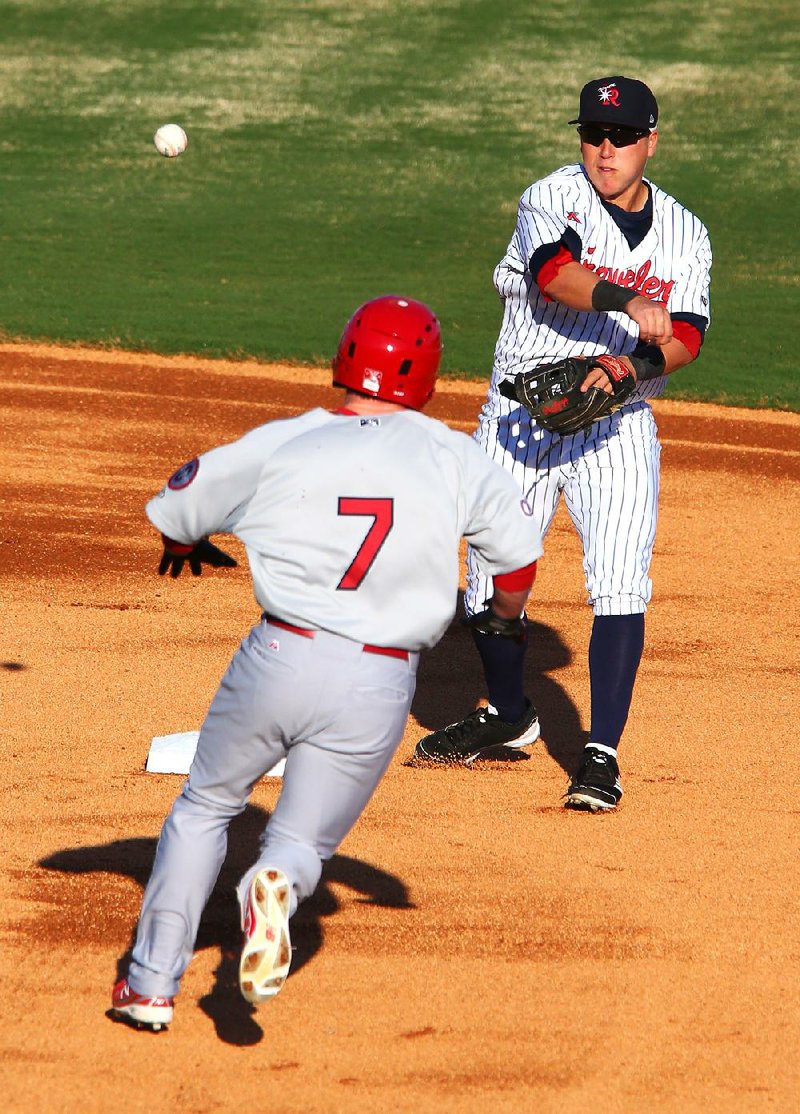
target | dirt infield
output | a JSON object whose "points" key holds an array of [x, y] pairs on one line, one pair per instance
{"points": [[473, 946]]}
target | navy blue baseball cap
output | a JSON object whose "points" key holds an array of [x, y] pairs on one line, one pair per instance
{"points": [[623, 101]]}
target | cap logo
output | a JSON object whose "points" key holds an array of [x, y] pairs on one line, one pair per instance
{"points": [[609, 94]]}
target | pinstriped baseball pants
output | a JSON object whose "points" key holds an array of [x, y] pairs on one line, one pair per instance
{"points": [[609, 477]]}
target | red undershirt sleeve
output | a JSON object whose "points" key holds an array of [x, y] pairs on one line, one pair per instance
{"points": [[517, 580], [550, 268], [689, 336]]}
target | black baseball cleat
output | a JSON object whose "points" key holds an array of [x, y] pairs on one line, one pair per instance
{"points": [[482, 730], [595, 787]]}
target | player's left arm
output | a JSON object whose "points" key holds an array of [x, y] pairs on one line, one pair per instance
{"points": [[688, 310], [688, 334], [689, 301], [650, 361]]}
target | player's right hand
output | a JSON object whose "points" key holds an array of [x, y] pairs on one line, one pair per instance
{"points": [[201, 553], [655, 323], [489, 622]]}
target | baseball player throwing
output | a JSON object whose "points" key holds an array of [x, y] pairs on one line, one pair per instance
{"points": [[351, 520], [607, 277]]}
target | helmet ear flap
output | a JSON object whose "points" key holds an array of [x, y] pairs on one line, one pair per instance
{"points": [[390, 349]]}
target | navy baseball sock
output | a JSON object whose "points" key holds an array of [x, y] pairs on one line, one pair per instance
{"points": [[615, 650], [503, 661]]}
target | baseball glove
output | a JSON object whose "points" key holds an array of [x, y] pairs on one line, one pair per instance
{"points": [[553, 397]]}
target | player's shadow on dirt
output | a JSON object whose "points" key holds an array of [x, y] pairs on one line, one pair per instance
{"points": [[450, 683], [234, 1020]]}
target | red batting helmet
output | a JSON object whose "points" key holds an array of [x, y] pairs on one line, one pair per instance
{"points": [[390, 349]]}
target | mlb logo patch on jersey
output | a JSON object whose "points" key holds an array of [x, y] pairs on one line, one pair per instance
{"points": [[370, 422], [184, 476]]}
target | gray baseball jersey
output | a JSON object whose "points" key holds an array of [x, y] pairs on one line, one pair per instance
{"points": [[352, 524]]}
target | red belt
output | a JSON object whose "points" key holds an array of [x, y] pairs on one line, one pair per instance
{"points": [[387, 651]]}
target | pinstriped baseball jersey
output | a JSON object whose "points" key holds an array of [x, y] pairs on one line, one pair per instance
{"points": [[671, 265], [609, 474], [352, 523]]}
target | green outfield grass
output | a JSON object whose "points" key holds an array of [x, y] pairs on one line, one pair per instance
{"points": [[339, 150]]}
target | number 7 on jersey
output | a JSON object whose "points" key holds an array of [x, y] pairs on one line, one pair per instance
{"points": [[381, 511]]}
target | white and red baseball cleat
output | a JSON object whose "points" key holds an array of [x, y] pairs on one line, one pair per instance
{"points": [[267, 950], [148, 1013]]}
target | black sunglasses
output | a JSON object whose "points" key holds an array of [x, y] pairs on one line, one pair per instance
{"points": [[617, 136]]}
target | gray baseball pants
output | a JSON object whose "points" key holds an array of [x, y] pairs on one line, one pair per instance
{"points": [[337, 713]]}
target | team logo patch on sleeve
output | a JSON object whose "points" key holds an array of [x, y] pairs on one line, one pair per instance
{"points": [[184, 476]]}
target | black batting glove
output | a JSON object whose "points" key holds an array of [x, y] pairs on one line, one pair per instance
{"points": [[176, 555], [487, 622]]}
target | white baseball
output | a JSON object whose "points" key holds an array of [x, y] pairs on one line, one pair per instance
{"points": [[170, 140]]}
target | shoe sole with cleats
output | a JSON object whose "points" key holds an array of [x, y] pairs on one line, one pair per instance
{"points": [[267, 951]]}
